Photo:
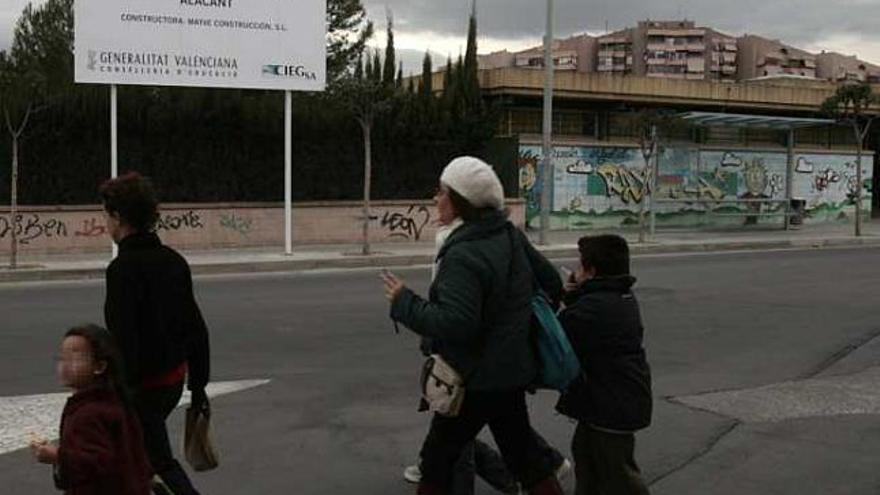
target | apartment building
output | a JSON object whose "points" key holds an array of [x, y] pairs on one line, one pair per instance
{"points": [[577, 53], [683, 50], [763, 57], [832, 66], [615, 53]]}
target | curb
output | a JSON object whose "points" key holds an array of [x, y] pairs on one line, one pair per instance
{"points": [[43, 274]]}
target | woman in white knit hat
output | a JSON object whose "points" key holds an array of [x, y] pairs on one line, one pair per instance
{"points": [[478, 317]]}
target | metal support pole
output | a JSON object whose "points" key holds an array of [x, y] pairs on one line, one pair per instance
{"points": [[288, 173], [654, 173], [789, 179], [547, 165], [114, 147], [859, 185]]}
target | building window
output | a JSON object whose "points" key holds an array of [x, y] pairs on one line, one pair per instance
{"points": [[565, 123], [524, 121]]}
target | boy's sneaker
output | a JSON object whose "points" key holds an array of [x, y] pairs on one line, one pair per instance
{"points": [[412, 474], [159, 487]]}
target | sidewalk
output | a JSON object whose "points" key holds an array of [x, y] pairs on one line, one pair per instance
{"points": [[560, 245]]}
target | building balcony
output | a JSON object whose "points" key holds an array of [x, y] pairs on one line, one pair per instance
{"points": [[614, 53], [676, 32], [667, 62], [614, 40]]}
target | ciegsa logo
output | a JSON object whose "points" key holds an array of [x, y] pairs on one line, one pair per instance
{"points": [[296, 71]]}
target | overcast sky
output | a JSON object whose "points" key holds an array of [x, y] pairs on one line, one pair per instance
{"points": [[847, 26]]}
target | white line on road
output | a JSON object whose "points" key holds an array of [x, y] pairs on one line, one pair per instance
{"points": [[23, 415]]}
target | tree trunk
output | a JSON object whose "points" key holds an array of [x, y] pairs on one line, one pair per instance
{"points": [[647, 153], [643, 199], [859, 186], [13, 210], [368, 172]]}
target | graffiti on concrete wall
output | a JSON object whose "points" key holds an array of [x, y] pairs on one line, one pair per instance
{"points": [[604, 186], [49, 228], [237, 224], [407, 224], [32, 226], [91, 227], [179, 221]]}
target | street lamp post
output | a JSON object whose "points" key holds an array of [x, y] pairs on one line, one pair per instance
{"points": [[547, 162]]}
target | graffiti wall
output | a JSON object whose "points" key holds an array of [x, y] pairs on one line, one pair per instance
{"points": [[591, 186], [41, 230], [828, 184], [603, 187]]}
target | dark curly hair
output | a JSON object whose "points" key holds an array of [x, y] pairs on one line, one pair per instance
{"points": [[132, 199]]}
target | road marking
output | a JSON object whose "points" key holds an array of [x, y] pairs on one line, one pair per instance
{"points": [[839, 395], [23, 415]]}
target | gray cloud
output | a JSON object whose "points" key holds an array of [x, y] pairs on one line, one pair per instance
{"points": [[801, 22]]}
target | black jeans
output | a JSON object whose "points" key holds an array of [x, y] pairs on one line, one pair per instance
{"points": [[154, 405], [605, 464], [480, 459], [504, 411]]}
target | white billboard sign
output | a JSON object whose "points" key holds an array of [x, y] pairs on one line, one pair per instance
{"points": [[257, 44]]}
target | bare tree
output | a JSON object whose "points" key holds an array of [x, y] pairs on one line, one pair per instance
{"points": [[21, 94], [366, 98], [649, 126], [849, 105]]}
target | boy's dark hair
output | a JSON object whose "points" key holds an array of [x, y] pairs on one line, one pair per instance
{"points": [[608, 254], [104, 348], [132, 199]]}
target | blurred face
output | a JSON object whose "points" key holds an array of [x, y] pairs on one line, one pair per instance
{"points": [[445, 210], [77, 367]]}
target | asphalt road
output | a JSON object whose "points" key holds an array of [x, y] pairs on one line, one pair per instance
{"points": [[764, 376]]}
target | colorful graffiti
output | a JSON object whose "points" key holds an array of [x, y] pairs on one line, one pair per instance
{"points": [[603, 186], [828, 184]]}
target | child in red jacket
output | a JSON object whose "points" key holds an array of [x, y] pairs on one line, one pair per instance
{"points": [[101, 451]]}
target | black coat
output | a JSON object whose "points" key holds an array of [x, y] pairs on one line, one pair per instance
{"points": [[477, 313], [151, 310], [604, 324]]}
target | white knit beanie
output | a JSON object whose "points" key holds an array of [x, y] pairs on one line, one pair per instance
{"points": [[475, 181]]}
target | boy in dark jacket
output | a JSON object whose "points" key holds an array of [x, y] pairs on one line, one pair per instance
{"points": [[612, 398]]}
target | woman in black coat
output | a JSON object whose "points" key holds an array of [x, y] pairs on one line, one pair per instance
{"points": [[151, 310]]}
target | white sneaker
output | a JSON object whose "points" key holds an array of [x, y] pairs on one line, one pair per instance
{"points": [[412, 474], [563, 470]]}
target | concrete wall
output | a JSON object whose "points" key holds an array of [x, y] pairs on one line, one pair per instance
{"points": [[745, 96], [201, 226]]}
